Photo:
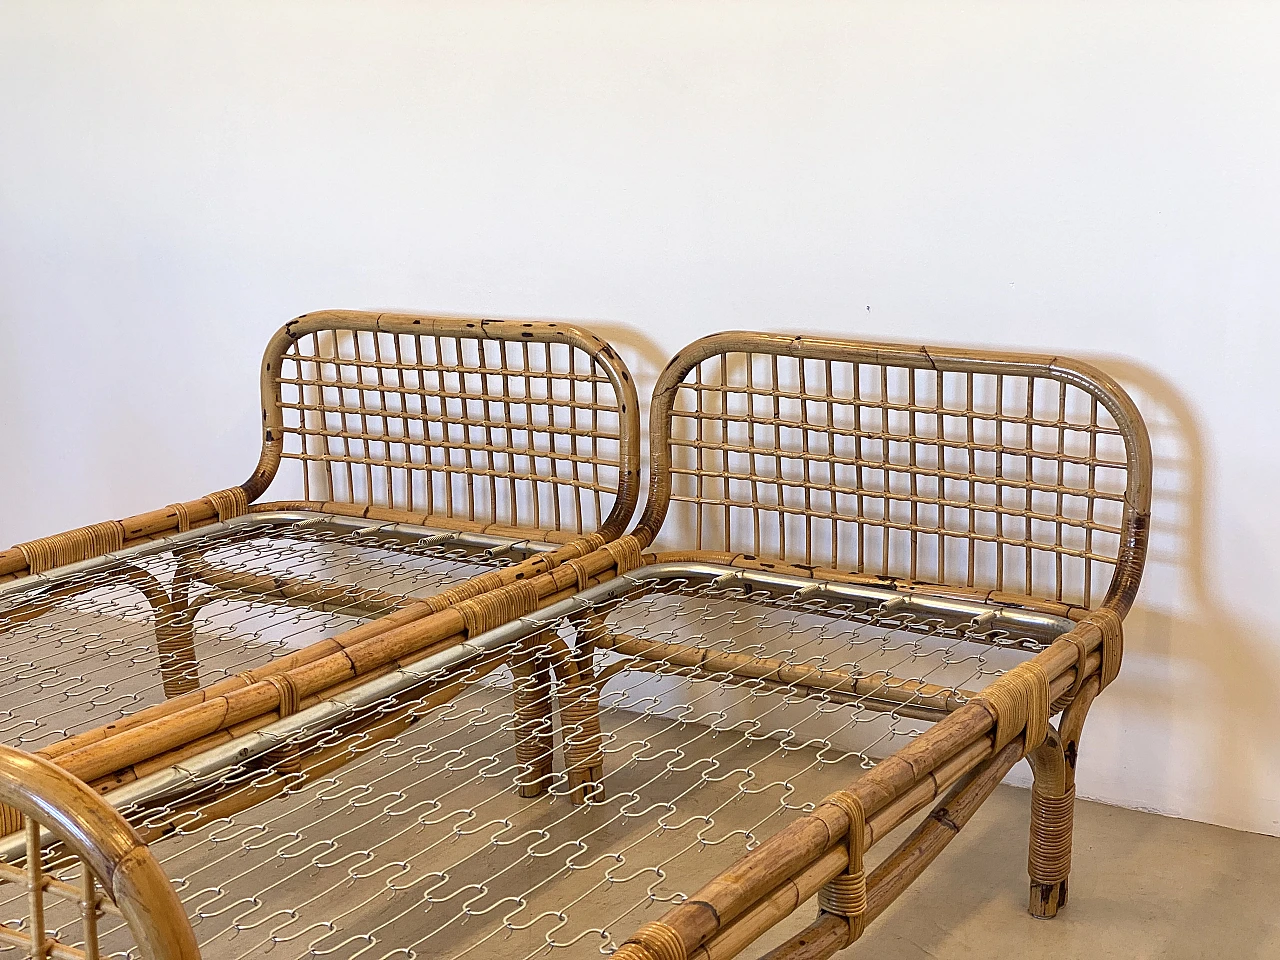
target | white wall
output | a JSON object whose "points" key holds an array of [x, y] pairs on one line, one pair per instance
{"points": [[176, 180]]}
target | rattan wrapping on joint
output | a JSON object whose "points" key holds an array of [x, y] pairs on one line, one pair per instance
{"points": [[230, 503], [1020, 701], [184, 516], [1082, 657], [532, 702], [580, 722], [581, 576], [626, 553], [489, 610], [846, 894], [73, 546], [175, 649], [1108, 623], [10, 820], [288, 691], [653, 941], [1049, 855]]}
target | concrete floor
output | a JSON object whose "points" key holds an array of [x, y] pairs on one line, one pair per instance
{"points": [[1141, 886]]}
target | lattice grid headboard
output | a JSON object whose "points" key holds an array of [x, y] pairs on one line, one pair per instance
{"points": [[1023, 474], [523, 424]]}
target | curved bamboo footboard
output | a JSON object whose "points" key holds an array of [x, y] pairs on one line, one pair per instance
{"points": [[112, 856]]}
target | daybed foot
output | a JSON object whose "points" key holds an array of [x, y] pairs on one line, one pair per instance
{"points": [[1049, 855], [1047, 899], [1053, 806], [587, 784]]}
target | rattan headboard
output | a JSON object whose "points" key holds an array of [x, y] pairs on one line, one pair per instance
{"points": [[1022, 474], [522, 424]]}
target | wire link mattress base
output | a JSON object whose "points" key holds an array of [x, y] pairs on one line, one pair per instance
{"points": [[903, 570], [84, 648], [730, 701]]}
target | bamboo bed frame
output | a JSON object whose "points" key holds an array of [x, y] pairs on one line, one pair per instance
{"points": [[884, 570], [430, 451]]}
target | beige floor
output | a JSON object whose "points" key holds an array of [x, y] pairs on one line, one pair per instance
{"points": [[1141, 886]]}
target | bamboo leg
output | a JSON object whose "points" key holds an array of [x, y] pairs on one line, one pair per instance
{"points": [[534, 728], [580, 713], [175, 636], [583, 741], [1053, 797]]}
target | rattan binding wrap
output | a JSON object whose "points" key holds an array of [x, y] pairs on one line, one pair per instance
{"points": [[1019, 700], [1052, 819], [72, 546], [846, 894]]}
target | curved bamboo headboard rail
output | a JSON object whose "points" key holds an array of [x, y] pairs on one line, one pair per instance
{"points": [[436, 403], [1017, 473], [115, 854]]}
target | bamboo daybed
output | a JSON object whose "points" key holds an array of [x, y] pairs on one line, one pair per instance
{"points": [[429, 450], [894, 566]]}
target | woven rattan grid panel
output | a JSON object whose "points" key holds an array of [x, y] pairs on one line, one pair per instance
{"points": [[992, 471], [518, 424]]}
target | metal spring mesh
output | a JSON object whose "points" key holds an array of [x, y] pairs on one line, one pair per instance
{"points": [[420, 846], [86, 649], [1011, 481], [513, 432]]}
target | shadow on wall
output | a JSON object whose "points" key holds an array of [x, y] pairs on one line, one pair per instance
{"points": [[1185, 724], [1182, 732], [1197, 692]]}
